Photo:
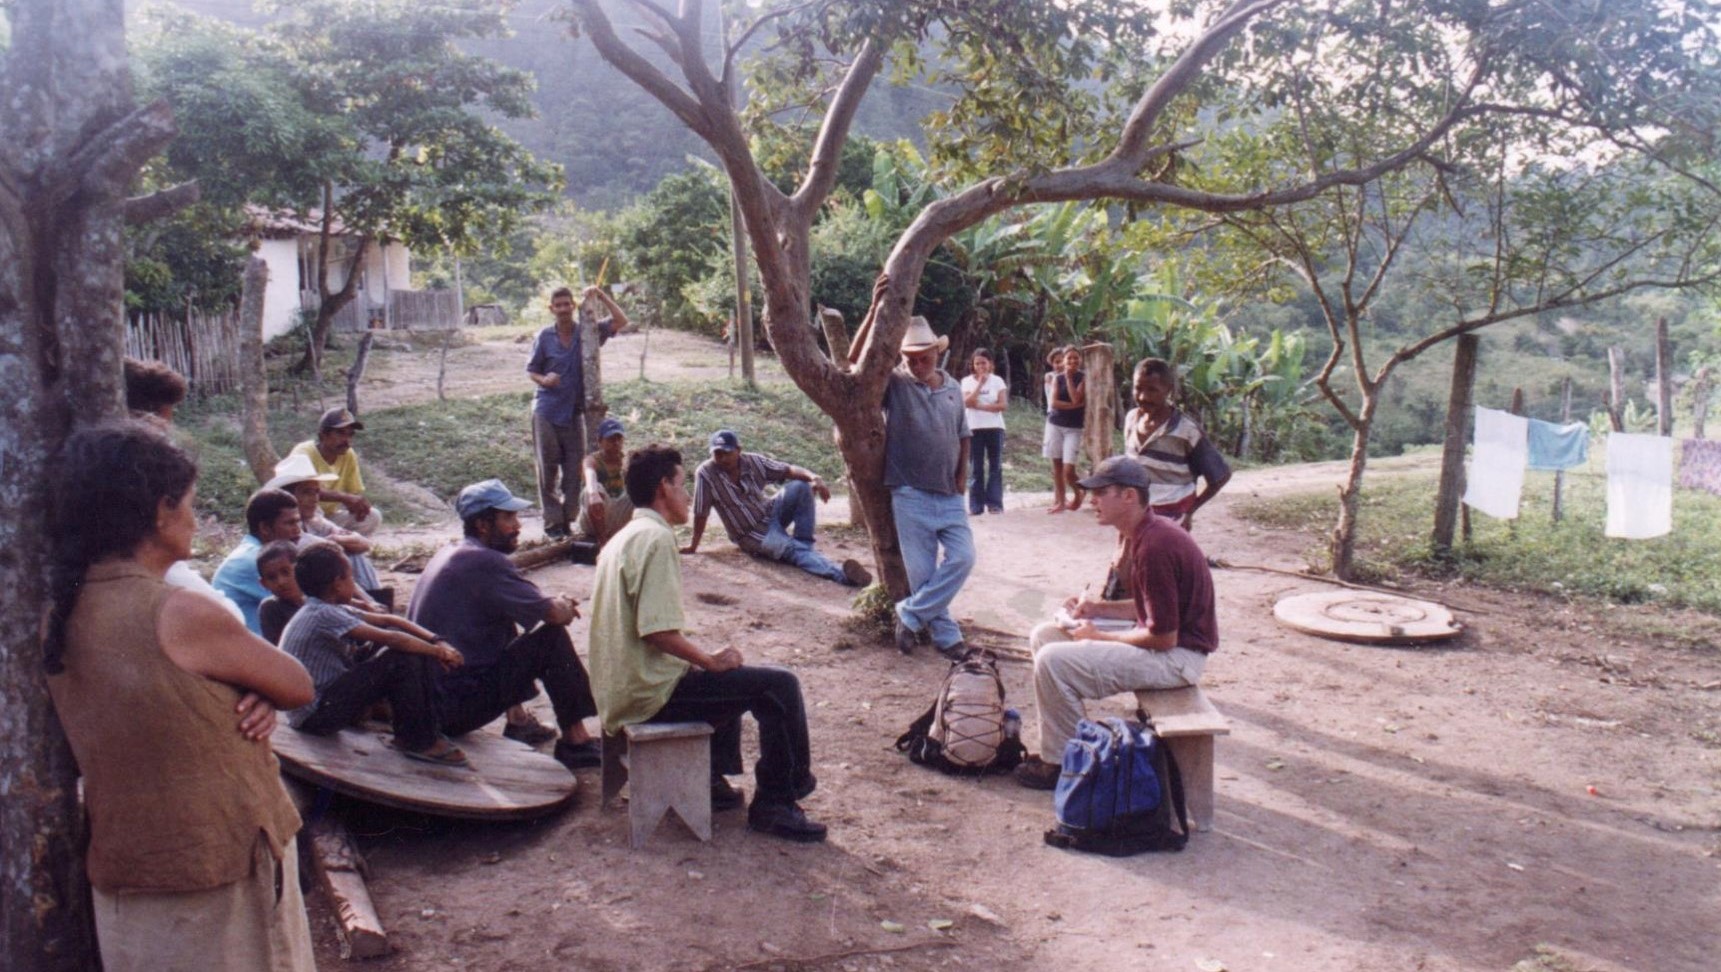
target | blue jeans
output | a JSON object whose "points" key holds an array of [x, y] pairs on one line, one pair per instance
{"points": [[986, 471], [924, 522], [789, 532]]}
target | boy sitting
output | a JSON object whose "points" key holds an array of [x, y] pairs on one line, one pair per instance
{"points": [[320, 636], [275, 572]]}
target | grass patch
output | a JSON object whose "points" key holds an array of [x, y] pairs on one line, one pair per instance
{"points": [[1682, 569]]}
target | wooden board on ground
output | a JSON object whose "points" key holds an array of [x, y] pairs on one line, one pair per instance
{"points": [[508, 780], [1367, 617]]}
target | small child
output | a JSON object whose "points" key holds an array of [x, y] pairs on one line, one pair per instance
{"points": [[275, 571], [403, 672]]}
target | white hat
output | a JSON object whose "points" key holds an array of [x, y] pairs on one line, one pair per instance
{"points": [[297, 468], [920, 336]]}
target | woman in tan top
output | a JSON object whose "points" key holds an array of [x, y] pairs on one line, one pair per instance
{"points": [[168, 703]]}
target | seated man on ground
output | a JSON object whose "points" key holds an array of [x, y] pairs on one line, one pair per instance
{"points": [[474, 596], [778, 528], [270, 515], [275, 572], [332, 451], [298, 476], [604, 506], [322, 637], [646, 670], [1171, 604]]}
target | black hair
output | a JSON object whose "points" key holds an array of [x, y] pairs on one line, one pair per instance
{"points": [[561, 292], [1157, 368], [110, 482], [264, 506], [470, 524], [319, 566], [277, 550], [151, 386], [646, 468]]}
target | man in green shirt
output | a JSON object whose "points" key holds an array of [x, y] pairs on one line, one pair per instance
{"points": [[645, 670]]}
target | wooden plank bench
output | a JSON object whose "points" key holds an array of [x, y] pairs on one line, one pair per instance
{"points": [[1188, 723], [666, 766]]}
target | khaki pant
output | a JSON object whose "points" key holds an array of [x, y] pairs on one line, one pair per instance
{"points": [[617, 512], [1067, 673], [559, 450], [256, 924]]}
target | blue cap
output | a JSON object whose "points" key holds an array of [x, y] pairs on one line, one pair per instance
{"points": [[724, 440], [487, 495], [608, 427]]}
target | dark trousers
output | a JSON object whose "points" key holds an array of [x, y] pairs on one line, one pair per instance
{"points": [[407, 681], [784, 772], [546, 655], [986, 470]]}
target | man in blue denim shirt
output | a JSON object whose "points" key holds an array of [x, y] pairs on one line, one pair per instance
{"points": [[559, 407], [925, 468]]}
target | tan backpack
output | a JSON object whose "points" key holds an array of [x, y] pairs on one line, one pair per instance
{"points": [[968, 729]]}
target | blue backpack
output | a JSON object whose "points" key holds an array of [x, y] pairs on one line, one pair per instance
{"points": [[1118, 792]]}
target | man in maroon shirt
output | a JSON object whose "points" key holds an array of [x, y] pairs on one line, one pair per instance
{"points": [[1168, 626]]}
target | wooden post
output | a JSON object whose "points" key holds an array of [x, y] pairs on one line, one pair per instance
{"points": [[1702, 386], [1516, 409], [357, 371], [260, 453], [1448, 505], [836, 336], [442, 364], [1565, 417], [1100, 418], [1663, 379], [1616, 388]]}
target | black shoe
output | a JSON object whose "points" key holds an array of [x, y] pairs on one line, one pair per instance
{"points": [[578, 756], [785, 820], [531, 733], [955, 651], [1037, 774], [725, 797], [856, 575], [905, 639], [556, 533]]}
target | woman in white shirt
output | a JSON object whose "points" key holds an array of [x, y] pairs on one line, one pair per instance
{"points": [[986, 396]]}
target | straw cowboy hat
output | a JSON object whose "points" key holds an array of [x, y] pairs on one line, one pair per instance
{"points": [[921, 338]]}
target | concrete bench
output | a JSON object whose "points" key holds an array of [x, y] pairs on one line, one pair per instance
{"points": [[1188, 723], [666, 766]]}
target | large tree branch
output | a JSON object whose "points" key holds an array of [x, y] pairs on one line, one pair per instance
{"points": [[828, 148], [640, 71], [1182, 73], [160, 205], [107, 161]]}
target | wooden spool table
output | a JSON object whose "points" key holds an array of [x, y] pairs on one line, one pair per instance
{"points": [[507, 780], [1367, 617]]}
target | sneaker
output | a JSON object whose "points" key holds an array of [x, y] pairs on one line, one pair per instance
{"points": [[1037, 774], [905, 639], [955, 651], [855, 575], [785, 820], [531, 733], [725, 797], [994, 509], [578, 756]]}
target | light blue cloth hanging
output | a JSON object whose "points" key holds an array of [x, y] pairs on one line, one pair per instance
{"points": [[1555, 447]]}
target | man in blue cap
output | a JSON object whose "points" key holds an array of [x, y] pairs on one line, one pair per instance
{"points": [[473, 595], [777, 528], [604, 506]]}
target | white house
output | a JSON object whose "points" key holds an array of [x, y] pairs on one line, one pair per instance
{"points": [[288, 245]]}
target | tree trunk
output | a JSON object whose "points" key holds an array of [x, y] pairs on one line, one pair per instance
{"points": [[1616, 388], [260, 454], [1663, 379], [1100, 417], [860, 436], [356, 373], [1350, 494], [70, 142], [330, 302], [1451, 492]]}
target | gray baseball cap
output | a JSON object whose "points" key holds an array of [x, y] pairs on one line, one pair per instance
{"points": [[1117, 471]]}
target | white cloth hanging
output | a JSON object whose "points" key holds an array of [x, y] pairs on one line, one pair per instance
{"points": [[1639, 486], [1495, 479]]}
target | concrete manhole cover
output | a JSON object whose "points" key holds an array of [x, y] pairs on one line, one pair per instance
{"points": [[1366, 617]]}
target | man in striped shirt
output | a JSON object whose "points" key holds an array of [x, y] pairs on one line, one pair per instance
{"points": [[777, 528]]}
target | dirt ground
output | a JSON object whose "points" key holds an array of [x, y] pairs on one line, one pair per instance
{"points": [[1542, 790]]}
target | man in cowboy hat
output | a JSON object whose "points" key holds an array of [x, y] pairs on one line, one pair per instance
{"points": [[926, 468], [297, 475], [332, 451]]}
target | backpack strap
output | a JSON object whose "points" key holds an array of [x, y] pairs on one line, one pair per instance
{"points": [[918, 729], [1176, 782]]}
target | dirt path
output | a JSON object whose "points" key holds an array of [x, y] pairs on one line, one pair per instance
{"points": [[1378, 809]]}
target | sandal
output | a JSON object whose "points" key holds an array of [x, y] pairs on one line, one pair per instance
{"points": [[449, 755]]}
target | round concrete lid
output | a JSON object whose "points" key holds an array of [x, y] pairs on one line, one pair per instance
{"points": [[1366, 617]]}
